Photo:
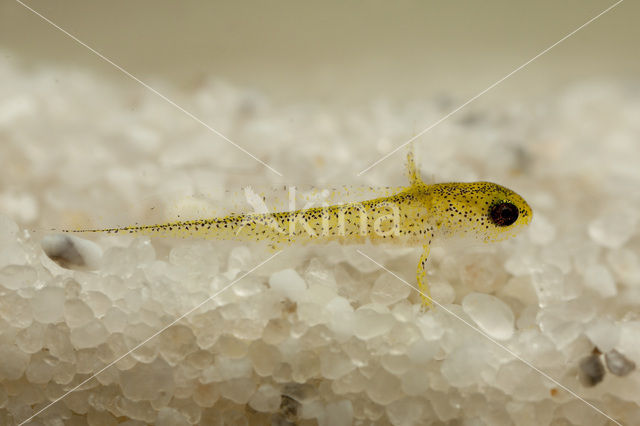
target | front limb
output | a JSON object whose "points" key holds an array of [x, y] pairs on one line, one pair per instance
{"points": [[423, 286]]}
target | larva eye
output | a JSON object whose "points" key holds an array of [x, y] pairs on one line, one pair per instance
{"points": [[503, 214]]}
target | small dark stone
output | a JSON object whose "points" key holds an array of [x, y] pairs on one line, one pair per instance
{"points": [[591, 370]]}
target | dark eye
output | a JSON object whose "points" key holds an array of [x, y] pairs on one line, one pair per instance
{"points": [[503, 214]]}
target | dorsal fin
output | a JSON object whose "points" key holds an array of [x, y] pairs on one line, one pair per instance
{"points": [[412, 171]]}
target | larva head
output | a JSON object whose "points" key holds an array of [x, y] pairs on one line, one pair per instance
{"points": [[481, 210]]}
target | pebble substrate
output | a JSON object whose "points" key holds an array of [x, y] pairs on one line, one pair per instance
{"points": [[319, 334]]}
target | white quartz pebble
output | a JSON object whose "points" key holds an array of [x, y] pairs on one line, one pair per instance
{"points": [[339, 413], [48, 304], [289, 284], [599, 279], [541, 231], [148, 381], [615, 227], [387, 289], [71, 251], [492, 315], [370, 322], [15, 277], [88, 335], [77, 313], [603, 333]]}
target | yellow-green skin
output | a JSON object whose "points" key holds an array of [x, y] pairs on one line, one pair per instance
{"points": [[423, 213]]}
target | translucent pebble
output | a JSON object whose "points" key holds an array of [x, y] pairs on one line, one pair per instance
{"points": [[598, 278], [370, 322], [31, 339], [618, 364], [590, 370], [626, 265], [521, 382], [422, 351], [8, 229], [101, 418], [176, 343], [264, 357], [77, 313], [614, 228], [16, 277], [492, 315], [541, 231], [115, 320], [41, 368], [239, 259], [122, 261], [558, 328], [238, 390], [14, 361], [168, 416], [196, 256], [275, 331], [576, 412], [231, 347], [266, 399], [522, 262], [360, 262], [341, 317], [430, 327], [603, 333], [464, 366], [395, 364], [48, 305], [56, 339], [288, 283], [549, 284], [16, 310], [558, 256], [383, 387], [88, 335], [480, 272], [139, 413], [443, 292], [229, 368], [405, 412], [304, 366], [64, 372], [334, 365], [387, 290], [114, 287], [13, 254], [199, 359], [71, 251], [319, 274], [415, 382], [339, 413], [206, 395], [98, 302], [153, 381], [520, 288]]}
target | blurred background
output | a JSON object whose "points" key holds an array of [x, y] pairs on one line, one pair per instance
{"points": [[334, 51]]}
